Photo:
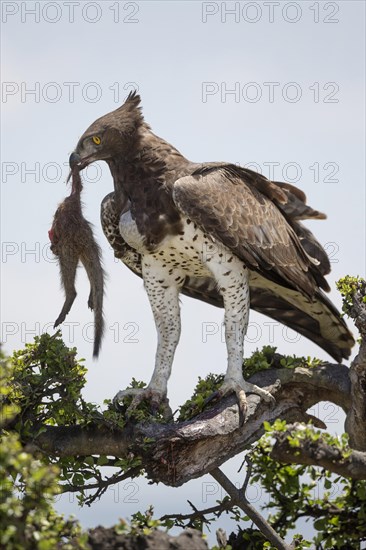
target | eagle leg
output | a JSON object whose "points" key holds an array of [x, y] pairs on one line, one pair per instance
{"points": [[233, 282], [162, 287], [158, 401]]}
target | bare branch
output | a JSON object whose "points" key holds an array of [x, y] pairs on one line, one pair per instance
{"points": [[201, 514], [102, 484], [239, 499], [247, 475]]}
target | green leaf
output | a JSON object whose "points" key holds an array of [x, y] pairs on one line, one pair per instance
{"points": [[327, 484], [102, 460]]}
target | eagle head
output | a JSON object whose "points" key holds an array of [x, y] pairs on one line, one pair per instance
{"points": [[113, 136]]}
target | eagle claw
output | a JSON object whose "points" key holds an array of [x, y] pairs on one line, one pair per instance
{"points": [[158, 401], [240, 388]]}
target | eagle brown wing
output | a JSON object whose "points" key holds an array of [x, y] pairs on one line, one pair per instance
{"points": [[227, 205]]}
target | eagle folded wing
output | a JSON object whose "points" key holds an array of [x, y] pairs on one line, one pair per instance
{"points": [[230, 205]]}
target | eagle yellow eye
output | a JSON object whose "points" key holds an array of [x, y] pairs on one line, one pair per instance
{"points": [[96, 140]]}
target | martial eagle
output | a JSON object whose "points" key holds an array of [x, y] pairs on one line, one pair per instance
{"points": [[213, 231]]}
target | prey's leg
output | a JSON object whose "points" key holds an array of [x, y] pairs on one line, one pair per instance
{"points": [[68, 264]]}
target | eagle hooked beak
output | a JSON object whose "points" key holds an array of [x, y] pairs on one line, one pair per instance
{"points": [[74, 160]]}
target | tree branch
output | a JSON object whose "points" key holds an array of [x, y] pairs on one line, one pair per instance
{"points": [[101, 485], [319, 453], [186, 450], [247, 475], [356, 417], [80, 441], [200, 514]]}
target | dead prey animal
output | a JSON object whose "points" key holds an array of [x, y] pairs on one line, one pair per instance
{"points": [[72, 240]]}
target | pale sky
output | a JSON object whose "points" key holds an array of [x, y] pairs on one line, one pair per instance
{"points": [[277, 86]]}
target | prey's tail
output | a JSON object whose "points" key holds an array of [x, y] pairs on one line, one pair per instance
{"points": [[93, 266]]}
